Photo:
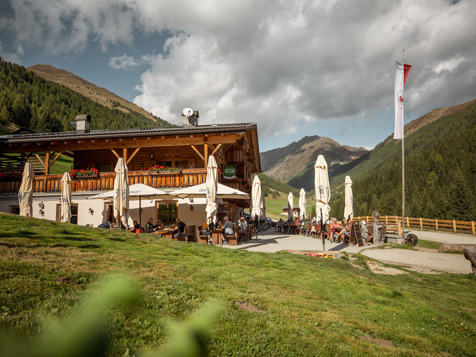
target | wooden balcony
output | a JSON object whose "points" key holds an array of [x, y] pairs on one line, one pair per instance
{"points": [[105, 181]]}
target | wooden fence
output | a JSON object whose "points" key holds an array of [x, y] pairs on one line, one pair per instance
{"points": [[425, 223]]}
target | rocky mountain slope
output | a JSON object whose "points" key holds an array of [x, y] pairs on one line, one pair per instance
{"points": [[294, 163]]}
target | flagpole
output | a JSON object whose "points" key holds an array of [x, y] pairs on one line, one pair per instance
{"points": [[403, 148]]}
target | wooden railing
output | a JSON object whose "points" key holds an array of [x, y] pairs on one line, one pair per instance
{"points": [[425, 223], [105, 181]]}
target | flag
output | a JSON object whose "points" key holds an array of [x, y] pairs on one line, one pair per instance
{"points": [[400, 80]]}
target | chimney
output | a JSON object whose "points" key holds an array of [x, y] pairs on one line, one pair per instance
{"points": [[191, 119], [83, 123]]}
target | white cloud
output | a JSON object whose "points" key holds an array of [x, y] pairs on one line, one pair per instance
{"points": [[123, 62], [277, 63]]}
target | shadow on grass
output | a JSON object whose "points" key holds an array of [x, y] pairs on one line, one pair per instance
{"points": [[117, 239], [88, 246], [79, 239], [21, 234]]}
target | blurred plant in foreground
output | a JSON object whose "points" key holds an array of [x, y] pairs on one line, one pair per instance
{"points": [[86, 333]]}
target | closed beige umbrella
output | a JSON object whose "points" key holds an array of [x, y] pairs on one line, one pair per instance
{"points": [[302, 203], [121, 193], [66, 198], [256, 204], [25, 194], [290, 205], [211, 185], [323, 189], [349, 199]]}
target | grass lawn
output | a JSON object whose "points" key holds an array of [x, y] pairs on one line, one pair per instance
{"points": [[273, 304]]}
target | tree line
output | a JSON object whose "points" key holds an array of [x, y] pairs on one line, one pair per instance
{"points": [[44, 106]]}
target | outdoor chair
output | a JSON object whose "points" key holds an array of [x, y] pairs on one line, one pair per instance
{"points": [[201, 238], [190, 233]]}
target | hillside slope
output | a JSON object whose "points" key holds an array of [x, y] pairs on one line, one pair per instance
{"points": [[30, 101], [93, 92], [440, 169]]}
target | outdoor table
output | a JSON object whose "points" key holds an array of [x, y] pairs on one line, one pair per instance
{"points": [[167, 232], [217, 236]]}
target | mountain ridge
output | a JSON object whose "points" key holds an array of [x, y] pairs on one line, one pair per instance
{"points": [[88, 89]]}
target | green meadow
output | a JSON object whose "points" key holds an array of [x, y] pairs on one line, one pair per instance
{"points": [[271, 304]]}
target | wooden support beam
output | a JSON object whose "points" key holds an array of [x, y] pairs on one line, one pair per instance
{"points": [[40, 159], [56, 158], [133, 154], [124, 154], [205, 151], [215, 150], [115, 153], [47, 163], [198, 152]]}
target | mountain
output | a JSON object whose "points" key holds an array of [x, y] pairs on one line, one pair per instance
{"points": [[440, 170], [31, 102], [93, 92], [294, 164]]}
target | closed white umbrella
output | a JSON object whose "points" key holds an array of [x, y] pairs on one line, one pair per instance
{"points": [[323, 189], [256, 203], [66, 198], [121, 191], [256, 197], [290, 205], [349, 199], [302, 203], [323, 192], [25, 193], [211, 190]]}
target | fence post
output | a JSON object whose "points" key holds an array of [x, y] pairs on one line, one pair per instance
{"points": [[436, 224], [454, 225], [473, 227], [386, 219], [408, 221], [421, 224]]}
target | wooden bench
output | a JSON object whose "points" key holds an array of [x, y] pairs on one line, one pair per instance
{"points": [[233, 239], [190, 233], [201, 238]]}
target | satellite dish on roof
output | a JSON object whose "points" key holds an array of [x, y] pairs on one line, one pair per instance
{"points": [[187, 112]]}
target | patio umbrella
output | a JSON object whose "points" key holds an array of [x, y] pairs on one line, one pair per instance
{"points": [[200, 191], [66, 198], [349, 199], [323, 191], [290, 205], [302, 203], [121, 190], [136, 192], [211, 190], [25, 193], [256, 197]]}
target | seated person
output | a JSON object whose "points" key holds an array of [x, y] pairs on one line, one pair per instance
{"points": [[107, 224], [204, 230], [243, 226], [149, 226], [159, 224], [228, 229], [135, 226], [180, 226]]}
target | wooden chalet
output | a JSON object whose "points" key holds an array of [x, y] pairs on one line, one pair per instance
{"points": [[186, 147]]}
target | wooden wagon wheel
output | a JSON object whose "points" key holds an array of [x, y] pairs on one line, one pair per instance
{"points": [[412, 239]]}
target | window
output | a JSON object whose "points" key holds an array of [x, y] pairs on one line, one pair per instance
{"points": [[74, 213], [181, 163], [165, 163], [167, 212], [109, 212]]}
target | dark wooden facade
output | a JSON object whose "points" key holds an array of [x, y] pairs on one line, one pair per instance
{"points": [[187, 148]]}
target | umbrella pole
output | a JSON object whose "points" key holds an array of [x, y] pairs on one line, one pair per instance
{"points": [[322, 233], [140, 213]]}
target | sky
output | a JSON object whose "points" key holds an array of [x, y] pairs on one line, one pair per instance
{"points": [[296, 68]]}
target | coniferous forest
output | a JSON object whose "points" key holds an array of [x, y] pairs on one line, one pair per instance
{"points": [[440, 173], [43, 106]]}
